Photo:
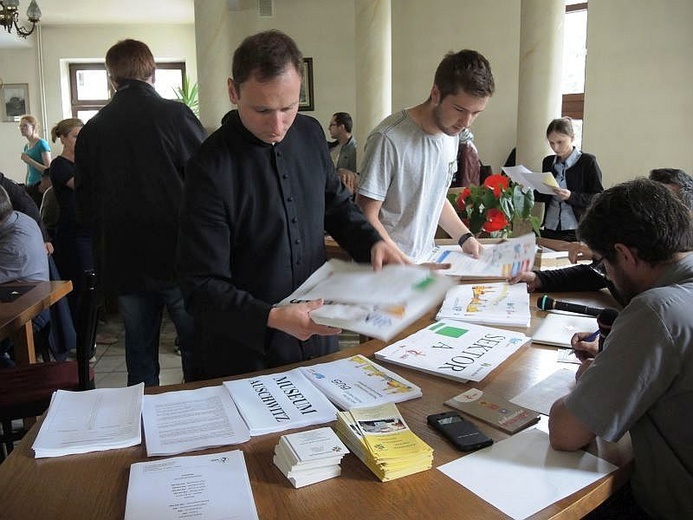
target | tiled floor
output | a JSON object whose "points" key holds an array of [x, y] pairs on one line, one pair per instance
{"points": [[110, 370]]}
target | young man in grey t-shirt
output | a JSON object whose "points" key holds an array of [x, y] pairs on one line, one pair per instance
{"points": [[410, 158]]}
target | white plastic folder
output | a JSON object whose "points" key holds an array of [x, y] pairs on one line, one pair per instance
{"points": [[522, 474]]}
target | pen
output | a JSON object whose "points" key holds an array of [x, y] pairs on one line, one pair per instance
{"points": [[592, 336]]}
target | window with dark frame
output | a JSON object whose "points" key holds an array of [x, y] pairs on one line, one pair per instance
{"points": [[90, 89]]}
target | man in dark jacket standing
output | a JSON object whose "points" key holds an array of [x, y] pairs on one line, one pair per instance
{"points": [[130, 161]]}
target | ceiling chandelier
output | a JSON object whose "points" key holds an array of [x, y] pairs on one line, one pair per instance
{"points": [[9, 16]]}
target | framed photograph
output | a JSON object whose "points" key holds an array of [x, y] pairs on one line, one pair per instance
{"points": [[306, 101], [15, 101]]}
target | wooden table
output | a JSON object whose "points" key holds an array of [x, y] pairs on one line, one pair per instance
{"points": [[95, 485], [16, 316]]}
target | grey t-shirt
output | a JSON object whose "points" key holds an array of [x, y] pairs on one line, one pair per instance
{"points": [[643, 383], [22, 251], [410, 171]]}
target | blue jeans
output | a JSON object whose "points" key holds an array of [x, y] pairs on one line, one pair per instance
{"points": [[142, 313]]}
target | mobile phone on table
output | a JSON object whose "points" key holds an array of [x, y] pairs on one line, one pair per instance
{"points": [[464, 435]]}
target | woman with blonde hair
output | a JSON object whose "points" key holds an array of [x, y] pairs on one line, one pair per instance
{"points": [[37, 156], [72, 238]]}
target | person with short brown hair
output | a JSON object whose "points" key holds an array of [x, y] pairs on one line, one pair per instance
{"points": [[130, 165]]}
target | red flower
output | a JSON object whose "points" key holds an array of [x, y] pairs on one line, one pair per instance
{"points": [[497, 183], [466, 192], [495, 220]]}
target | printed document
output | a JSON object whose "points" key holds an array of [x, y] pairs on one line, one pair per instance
{"points": [[278, 402], [358, 381], [377, 304], [214, 487], [497, 261], [176, 422], [490, 303], [542, 182], [522, 474], [93, 420]]}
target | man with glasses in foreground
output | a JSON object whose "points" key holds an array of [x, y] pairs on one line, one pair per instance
{"points": [[592, 277], [642, 381]]}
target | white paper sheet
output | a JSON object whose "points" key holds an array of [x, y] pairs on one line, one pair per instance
{"points": [[213, 487], [93, 420], [501, 474], [542, 182], [176, 422], [541, 396]]}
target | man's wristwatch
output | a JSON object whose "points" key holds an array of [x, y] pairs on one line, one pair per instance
{"points": [[464, 238]]}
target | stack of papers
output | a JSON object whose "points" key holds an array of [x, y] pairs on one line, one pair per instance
{"points": [[202, 486], [490, 303], [455, 350], [93, 420], [383, 441], [497, 261], [359, 382], [309, 457], [176, 422], [278, 402], [378, 304]]}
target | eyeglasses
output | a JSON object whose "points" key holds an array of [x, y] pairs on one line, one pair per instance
{"points": [[598, 267]]}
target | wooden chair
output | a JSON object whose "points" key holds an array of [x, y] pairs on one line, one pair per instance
{"points": [[26, 391]]}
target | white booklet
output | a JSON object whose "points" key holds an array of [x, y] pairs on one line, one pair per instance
{"points": [[214, 487], [490, 303], [378, 304], [357, 381], [278, 402], [557, 328], [502, 260], [522, 474], [93, 420], [176, 422], [456, 350], [542, 182]]}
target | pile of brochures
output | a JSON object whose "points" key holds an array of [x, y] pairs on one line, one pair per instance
{"points": [[309, 457], [383, 441]]}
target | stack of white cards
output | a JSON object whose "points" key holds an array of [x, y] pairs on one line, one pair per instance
{"points": [[309, 457]]}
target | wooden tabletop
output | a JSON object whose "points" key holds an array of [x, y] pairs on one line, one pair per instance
{"points": [[95, 485], [16, 316]]}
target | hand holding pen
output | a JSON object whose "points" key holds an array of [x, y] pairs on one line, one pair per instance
{"points": [[585, 344]]}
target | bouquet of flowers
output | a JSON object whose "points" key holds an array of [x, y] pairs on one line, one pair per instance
{"points": [[495, 205]]}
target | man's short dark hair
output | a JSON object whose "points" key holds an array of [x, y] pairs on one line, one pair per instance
{"points": [[342, 118], [641, 214], [130, 59], [5, 205], [675, 177], [265, 56], [465, 70]]}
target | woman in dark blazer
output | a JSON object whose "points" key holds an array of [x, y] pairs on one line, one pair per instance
{"points": [[579, 179]]}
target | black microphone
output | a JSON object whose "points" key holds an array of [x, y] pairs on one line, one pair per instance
{"points": [[546, 304], [605, 320]]}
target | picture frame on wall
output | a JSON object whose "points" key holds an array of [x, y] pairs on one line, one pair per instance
{"points": [[307, 101], [14, 98]]}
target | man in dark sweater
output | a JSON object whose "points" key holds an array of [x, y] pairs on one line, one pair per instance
{"points": [[130, 161]]}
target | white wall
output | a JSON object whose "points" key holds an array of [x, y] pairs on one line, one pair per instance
{"points": [[61, 44], [639, 86], [423, 32]]}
